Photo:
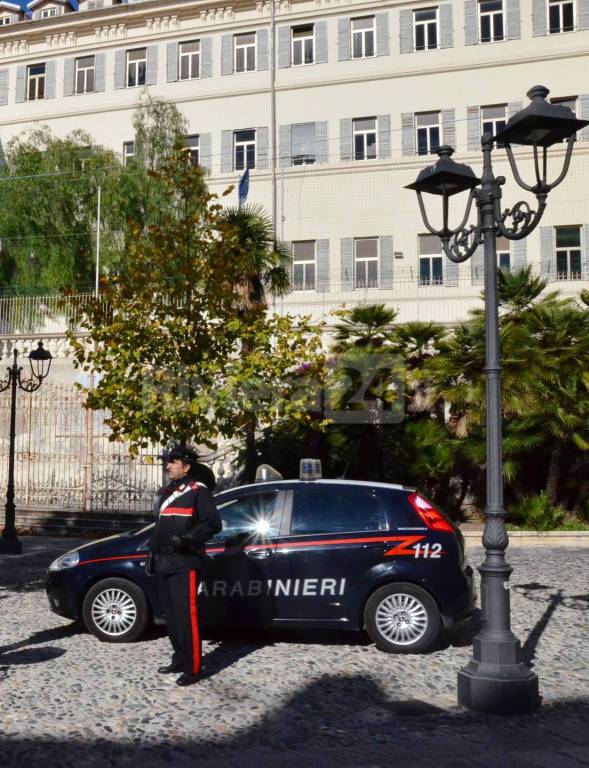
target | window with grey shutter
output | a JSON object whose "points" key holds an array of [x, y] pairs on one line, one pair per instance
{"points": [[513, 20], [206, 57], [3, 87], [448, 127], [407, 134], [471, 31], [347, 263], [99, 72], [205, 155], [262, 148], [547, 252], [151, 65], [321, 49], [120, 68], [452, 271], [382, 34], [69, 66], [513, 108], [303, 140], [322, 256], [227, 54], [583, 114], [582, 14], [538, 17], [262, 44], [519, 251], [585, 252], [50, 75], [321, 132], [283, 47], [172, 67], [384, 136], [446, 26], [345, 139], [226, 151], [473, 128], [477, 266], [386, 262], [284, 146], [406, 31], [343, 39]]}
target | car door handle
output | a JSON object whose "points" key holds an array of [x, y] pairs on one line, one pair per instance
{"points": [[259, 553]]}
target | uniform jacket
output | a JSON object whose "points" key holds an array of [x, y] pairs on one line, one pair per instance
{"points": [[186, 509]]}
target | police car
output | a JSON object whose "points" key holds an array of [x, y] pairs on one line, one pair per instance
{"points": [[311, 553]]}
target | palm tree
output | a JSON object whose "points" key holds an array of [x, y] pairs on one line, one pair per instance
{"points": [[266, 273], [367, 325]]}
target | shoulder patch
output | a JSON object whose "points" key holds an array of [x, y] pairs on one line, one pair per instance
{"points": [[195, 485]]}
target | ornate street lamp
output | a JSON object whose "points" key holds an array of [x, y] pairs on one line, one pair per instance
{"points": [[497, 679], [40, 362]]}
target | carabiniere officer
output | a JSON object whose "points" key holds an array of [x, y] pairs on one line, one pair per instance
{"points": [[187, 518]]}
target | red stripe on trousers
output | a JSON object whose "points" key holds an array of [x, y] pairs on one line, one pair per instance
{"points": [[194, 625]]}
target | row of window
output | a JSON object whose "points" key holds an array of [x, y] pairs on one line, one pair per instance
{"points": [[299, 45], [361, 138], [367, 262]]}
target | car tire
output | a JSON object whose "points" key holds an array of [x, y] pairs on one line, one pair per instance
{"points": [[116, 611], [402, 618]]}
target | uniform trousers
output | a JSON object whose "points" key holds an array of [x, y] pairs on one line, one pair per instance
{"points": [[178, 593]]}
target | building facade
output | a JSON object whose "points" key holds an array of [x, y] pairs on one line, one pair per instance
{"points": [[334, 107]]}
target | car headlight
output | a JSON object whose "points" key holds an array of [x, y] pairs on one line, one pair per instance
{"points": [[69, 560]]}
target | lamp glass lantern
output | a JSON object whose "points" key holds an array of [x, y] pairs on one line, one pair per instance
{"points": [[40, 361]]}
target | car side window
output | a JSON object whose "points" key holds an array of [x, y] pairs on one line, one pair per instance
{"points": [[254, 513], [336, 512]]}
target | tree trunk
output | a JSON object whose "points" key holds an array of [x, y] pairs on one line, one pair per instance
{"points": [[554, 471]]}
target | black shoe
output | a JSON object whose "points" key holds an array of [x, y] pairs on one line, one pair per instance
{"points": [[170, 669], [186, 679]]}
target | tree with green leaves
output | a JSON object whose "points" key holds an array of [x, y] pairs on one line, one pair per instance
{"points": [[173, 357], [48, 198]]}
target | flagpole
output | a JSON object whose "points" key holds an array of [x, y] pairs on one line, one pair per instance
{"points": [[273, 112]]}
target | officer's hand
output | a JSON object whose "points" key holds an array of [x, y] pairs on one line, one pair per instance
{"points": [[178, 544]]}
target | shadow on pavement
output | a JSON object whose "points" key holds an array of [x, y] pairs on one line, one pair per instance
{"points": [[29, 656], [43, 636], [335, 722]]}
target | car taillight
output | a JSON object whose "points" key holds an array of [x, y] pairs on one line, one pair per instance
{"points": [[433, 518]]}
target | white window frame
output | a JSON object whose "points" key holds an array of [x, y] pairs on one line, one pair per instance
{"points": [[425, 24], [305, 263], [245, 47], [128, 152], [135, 65], [365, 132], [495, 122], [366, 261], [191, 56], [245, 143], [363, 35], [39, 81], [47, 13], [5, 20], [428, 128], [193, 148], [85, 70], [295, 41], [560, 3], [567, 251], [310, 159], [491, 15], [429, 257]]}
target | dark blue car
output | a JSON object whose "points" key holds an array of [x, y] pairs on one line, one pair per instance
{"points": [[292, 553]]}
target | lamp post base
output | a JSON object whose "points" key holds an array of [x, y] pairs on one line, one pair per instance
{"points": [[498, 689], [10, 545]]}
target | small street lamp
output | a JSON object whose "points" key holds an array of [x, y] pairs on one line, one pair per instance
{"points": [[497, 679], [40, 362]]}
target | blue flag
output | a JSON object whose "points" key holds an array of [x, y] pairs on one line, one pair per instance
{"points": [[244, 187]]}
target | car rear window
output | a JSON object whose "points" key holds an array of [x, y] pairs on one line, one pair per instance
{"points": [[332, 511]]}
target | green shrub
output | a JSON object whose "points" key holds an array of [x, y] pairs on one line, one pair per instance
{"points": [[536, 513]]}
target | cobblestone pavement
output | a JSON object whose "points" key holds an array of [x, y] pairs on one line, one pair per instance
{"points": [[291, 699]]}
